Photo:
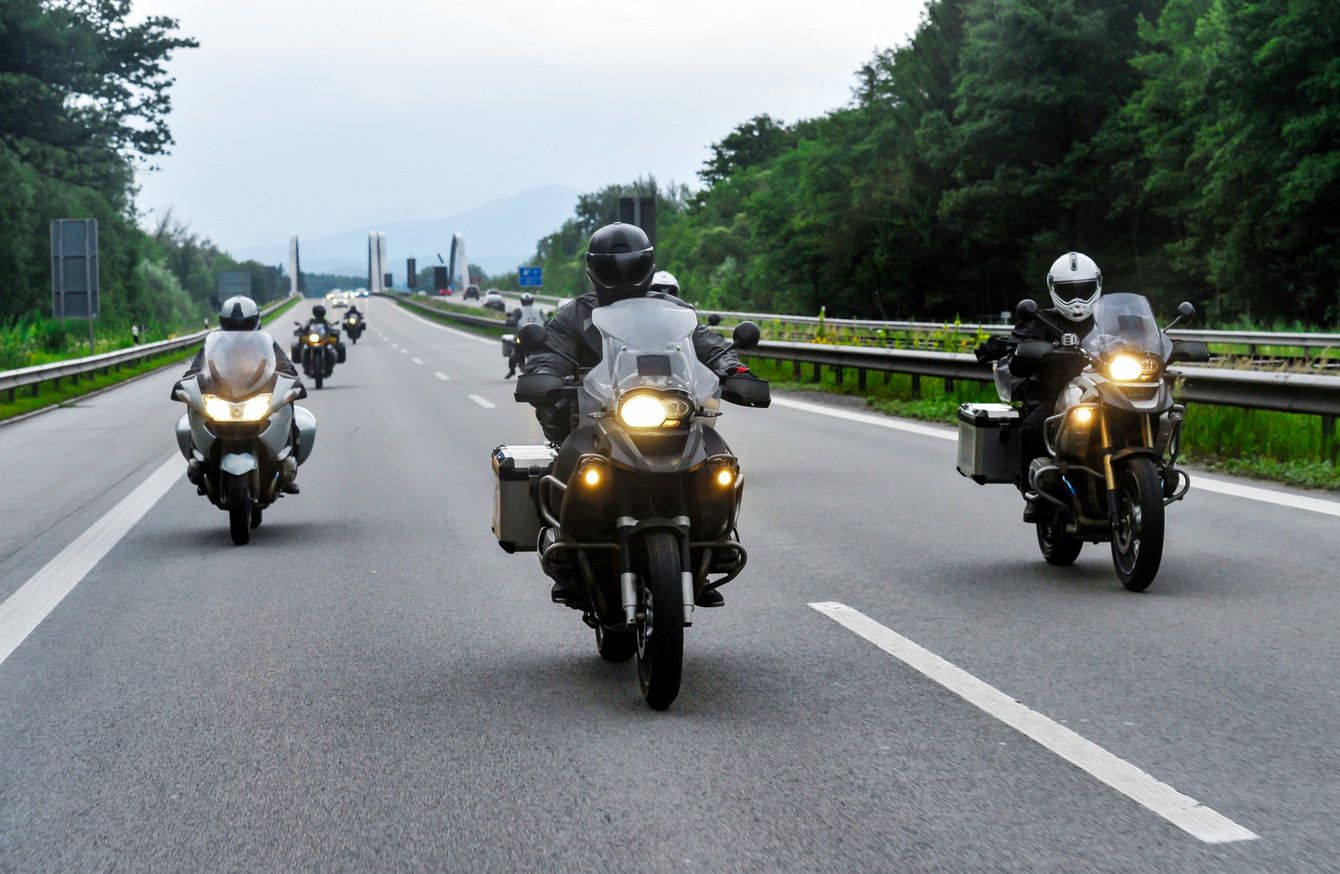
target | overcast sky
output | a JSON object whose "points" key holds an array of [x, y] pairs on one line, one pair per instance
{"points": [[320, 117]]}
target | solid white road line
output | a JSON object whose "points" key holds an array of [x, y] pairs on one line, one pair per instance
{"points": [[1182, 811], [490, 340], [418, 360], [440, 375], [25, 609], [1218, 486], [483, 403]]}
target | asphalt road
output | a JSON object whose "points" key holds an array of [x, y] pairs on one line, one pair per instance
{"points": [[372, 684]]}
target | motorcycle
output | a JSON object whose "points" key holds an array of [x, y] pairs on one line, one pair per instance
{"points": [[353, 326], [1111, 444], [317, 350], [644, 515], [242, 435]]}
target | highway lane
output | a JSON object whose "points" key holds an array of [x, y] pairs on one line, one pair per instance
{"points": [[372, 683]]}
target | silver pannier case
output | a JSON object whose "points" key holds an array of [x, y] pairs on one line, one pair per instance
{"points": [[517, 471], [508, 340], [988, 443]]}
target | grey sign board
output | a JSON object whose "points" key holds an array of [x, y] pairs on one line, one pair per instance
{"points": [[640, 211], [74, 269], [233, 283]]}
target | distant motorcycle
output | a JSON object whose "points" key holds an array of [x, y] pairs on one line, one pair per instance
{"points": [[647, 517], [317, 350], [354, 326], [1112, 444], [242, 435]]}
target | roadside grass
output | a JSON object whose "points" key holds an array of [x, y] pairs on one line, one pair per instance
{"points": [[460, 326], [69, 390], [1280, 447]]}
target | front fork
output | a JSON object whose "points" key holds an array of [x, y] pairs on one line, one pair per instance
{"points": [[628, 594], [1147, 432]]}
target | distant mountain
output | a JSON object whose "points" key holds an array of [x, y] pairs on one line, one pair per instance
{"points": [[499, 235]]}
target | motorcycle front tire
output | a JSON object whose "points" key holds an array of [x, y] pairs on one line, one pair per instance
{"points": [[1137, 542], [239, 508], [615, 646], [660, 634]]}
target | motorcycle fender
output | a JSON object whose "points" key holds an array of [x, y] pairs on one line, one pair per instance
{"points": [[306, 431], [1132, 451], [184, 435], [238, 463], [277, 434]]}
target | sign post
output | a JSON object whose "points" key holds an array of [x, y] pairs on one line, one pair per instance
{"points": [[531, 277], [411, 275], [74, 271]]}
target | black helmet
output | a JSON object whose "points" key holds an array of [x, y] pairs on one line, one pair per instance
{"points": [[319, 311], [619, 262], [527, 299], [239, 314]]}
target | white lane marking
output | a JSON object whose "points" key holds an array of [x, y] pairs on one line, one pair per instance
{"points": [[483, 403], [1252, 493], [404, 312], [440, 375], [1218, 486], [418, 360], [404, 351], [25, 609], [868, 418], [1182, 811]]}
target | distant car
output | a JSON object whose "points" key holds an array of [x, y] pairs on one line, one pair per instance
{"points": [[471, 291], [494, 301], [362, 292], [340, 302]]}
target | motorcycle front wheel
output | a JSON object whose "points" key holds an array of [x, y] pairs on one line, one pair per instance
{"points": [[615, 646], [239, 508], [1137, 541], [660, 633]]}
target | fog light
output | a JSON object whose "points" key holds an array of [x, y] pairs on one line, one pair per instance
{"points": [[725, 477], [592, 476], [1083, 415]]}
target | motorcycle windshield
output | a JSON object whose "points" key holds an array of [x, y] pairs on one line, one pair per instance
{"points": [[1125, 323], [316, 328], [238, 364], [648, 343]]}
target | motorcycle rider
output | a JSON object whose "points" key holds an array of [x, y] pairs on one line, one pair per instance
{"points": [[527, 314], [620, 262], [1075, 283], [240, 313], [665, 282]]}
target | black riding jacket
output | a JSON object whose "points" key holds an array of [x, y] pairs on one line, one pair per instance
{"points": [[1044, 387]]}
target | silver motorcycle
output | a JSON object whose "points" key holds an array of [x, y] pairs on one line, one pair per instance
{"points": [[242, 435]]}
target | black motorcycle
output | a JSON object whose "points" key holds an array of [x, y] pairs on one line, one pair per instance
{"points": [[317, 350], [1112, 443], [644, 516], [354, 326]]}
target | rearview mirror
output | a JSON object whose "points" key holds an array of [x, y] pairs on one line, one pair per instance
{"points": [[1025, 310], [1186, 311], [531, 337], [714, 319], [745, 336]]}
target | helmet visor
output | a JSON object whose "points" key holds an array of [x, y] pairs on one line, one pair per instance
{"points": [[1069, 291], [621, 268]]}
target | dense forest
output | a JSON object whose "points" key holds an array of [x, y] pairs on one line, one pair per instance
{"points": [[1192, 147], [84, 101]]}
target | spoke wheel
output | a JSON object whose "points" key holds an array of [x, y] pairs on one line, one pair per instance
{"points": [[239, 508], [1137, 541], [660, 633], [1058, 547], [615, 646]]}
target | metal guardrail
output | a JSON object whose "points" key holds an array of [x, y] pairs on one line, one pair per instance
{"points": [[32, 377], [463, 318], [1247, 389]]}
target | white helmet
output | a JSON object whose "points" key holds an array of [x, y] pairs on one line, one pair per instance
{"points": [[665, 281], [1075, 283]]}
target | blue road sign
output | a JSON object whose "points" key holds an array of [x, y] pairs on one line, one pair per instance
{"points": [[532, 277]]}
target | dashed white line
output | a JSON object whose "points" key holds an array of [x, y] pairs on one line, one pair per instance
{"points": [[418, 360], [404, 351], [26, 608], [1182, 811], [442, 376], [483, 403]]}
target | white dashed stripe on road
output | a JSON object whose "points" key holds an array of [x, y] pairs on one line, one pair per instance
{"points": [[404, 351], [440, 375], [483, 403], [1182, 811], [418, 360], [25, 609], [1218, 486]]}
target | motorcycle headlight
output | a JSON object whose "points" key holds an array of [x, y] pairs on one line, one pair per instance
{"points": [[253, 409], [643, 411], [314, 339], [1124, 368]]}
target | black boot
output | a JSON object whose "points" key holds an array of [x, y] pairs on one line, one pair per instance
{"points": [[289, 488], [711, 598], [566, 592], [1034, 511]]}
